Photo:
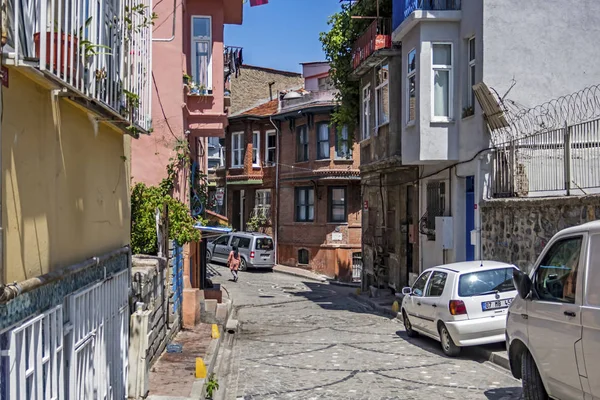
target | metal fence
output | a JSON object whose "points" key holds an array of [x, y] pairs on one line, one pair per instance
{"points": [[557, 162], [177, 278], [357, 267]]}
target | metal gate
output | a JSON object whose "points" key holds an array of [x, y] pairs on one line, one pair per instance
{"points": [[99, 340], [357, 266]]}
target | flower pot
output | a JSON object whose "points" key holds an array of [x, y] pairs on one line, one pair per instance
{"points": [[60, 40]]}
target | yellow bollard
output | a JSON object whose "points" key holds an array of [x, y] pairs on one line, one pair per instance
{"points": [[200, 368], [395, 307], [215, 331]]}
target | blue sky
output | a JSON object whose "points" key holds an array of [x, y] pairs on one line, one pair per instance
{"points": [[282, 33]]}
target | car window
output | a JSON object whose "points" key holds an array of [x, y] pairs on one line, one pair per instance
{"points": [[419, 286], [556, 277], [490, 281], [222, 240], [264, 244], [436, 284], [244, 243], [592, 294]]}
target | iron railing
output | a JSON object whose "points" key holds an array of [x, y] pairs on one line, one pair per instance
{"points": [[377, 36], [559, 161], [406, 7], [100, 49]]}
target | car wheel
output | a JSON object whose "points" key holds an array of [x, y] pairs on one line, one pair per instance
{"points": [[533, 387], [448, 346], [408, 326], [208, 256], [243, 265]]}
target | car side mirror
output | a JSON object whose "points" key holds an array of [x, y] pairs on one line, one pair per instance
{"points": [[406, 291], [522, 283]]}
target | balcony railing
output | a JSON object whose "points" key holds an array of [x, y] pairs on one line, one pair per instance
{"points": [[99, 49], [403, 8], [377, 36]]}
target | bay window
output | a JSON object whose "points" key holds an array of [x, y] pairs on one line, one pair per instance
{"points": [[322, 140], [442, 81], [342, 145], [237, 149], [202, 51], [302, 143], [256, 149], [382, 94], [270, 151], [411, 86]]}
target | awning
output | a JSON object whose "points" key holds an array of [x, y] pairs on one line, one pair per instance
{"points": [[219, 230]]}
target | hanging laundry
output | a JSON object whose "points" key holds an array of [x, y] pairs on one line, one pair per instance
{"points": [[238, 63], [254, 3]]}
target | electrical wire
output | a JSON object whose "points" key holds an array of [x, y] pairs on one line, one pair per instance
{"points": [[162, 109]]}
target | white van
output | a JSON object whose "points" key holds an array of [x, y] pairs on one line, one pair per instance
{"points": [[553, 325]]}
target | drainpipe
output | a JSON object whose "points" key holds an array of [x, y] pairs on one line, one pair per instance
{"points": [[3, 32], [276, 229], [174, 20], [478, 198]]}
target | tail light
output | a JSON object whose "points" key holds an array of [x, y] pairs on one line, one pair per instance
{"points": [[457, 307], [251, 254]]}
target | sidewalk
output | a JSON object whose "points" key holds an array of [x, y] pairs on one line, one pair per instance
{"points": [[493, 353], [303, 273]]}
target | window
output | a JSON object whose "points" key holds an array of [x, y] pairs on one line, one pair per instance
{"points": [[305, 204], [237, 149], [223, 240], [419, 286], [262, 203], [322, 140], [556, 277], [436, 203], [342, 144], [486, 282], [442, 81], [256, 149], [382, 94], [240, 242], [270, 148], [264, 244], [302, 143], [471, 75], [436, 284], [201, 51], [592, 295], [337, 204], [411, 86], [303, 256], [366, 112], [215, 153]]}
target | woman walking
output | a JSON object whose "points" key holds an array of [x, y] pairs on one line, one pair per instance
{"points": [[233, 261]]}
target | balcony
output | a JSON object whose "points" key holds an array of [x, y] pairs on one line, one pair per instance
{"points": [[374, 45], [308, 99], [403, 8], [99, 51]]}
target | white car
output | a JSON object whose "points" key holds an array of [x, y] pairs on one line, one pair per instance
{"points": [[553, 327], [460, 304]]}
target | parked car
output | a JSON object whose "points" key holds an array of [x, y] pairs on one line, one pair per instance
{"points": [[460, 304], [256, 249], [553, 326]]}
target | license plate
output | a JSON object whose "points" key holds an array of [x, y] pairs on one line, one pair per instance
{"points": [[495, 304]]}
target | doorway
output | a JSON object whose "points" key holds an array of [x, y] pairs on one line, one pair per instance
{"points": [[469, 216]]}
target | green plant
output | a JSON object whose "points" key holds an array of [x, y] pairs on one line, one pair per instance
{"points": [[211, 386], [257, 222], [144, 19], [468, 111]]}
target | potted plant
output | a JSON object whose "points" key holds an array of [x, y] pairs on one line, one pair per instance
{"points": [[62, 40], [194, 90], [203, 90], [186, 79], [467, 111]]}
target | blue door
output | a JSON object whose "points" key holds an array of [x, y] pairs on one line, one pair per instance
{"points": [[470, 216]]}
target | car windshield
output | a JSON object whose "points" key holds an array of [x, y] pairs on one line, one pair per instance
{"points": [[486, 282], [264, 244]]}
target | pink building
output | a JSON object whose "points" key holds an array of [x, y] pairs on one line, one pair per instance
{"points": [[187, 41]]}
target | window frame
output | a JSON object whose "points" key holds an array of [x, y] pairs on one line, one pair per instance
{"points": [[305, 251], [256, 149], [441, 201], [319, 140], [412, 288], [330, 204], [221, 155], [270, 163], [305, 146], [216, 242], [471, 71], [339, 138], [411, 74], [366, 112], [209, 40], [240, 150], [450, 70], [378, 123], [307, 204]]}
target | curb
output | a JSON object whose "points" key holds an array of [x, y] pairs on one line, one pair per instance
{"points": [[346, 284], [300, 275], [490, 356]]}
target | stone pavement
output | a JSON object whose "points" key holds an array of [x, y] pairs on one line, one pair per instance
{"points": [[299, 272], [301, 339]]}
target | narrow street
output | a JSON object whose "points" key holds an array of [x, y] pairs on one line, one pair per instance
{"points": [[300, 339]]}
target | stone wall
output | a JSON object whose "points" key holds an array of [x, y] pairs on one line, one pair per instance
{"points": [[251, 87], [516, 230]]}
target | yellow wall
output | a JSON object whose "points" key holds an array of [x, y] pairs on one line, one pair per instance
{"points": [[65, 189]]}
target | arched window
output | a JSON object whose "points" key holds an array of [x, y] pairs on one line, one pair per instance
{"points": [[302, 256]]}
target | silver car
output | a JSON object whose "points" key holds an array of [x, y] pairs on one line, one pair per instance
{"points": [[256, 249]]}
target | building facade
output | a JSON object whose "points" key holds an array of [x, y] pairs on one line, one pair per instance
{"points": [[191, 72], [68, 113], [447, 48]]}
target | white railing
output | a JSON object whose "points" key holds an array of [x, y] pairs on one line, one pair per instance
{"points": [[101, 49]]}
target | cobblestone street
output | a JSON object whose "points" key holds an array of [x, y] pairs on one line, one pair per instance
{"points": [[300, 339]]}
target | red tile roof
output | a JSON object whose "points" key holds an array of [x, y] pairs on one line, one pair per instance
{"points": [[263, 110]]}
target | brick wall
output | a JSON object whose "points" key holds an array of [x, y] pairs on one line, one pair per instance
{"points": [[517, 230], [251, 87]]}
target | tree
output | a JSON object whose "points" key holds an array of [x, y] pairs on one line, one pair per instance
{"points": [[338, 44]]}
